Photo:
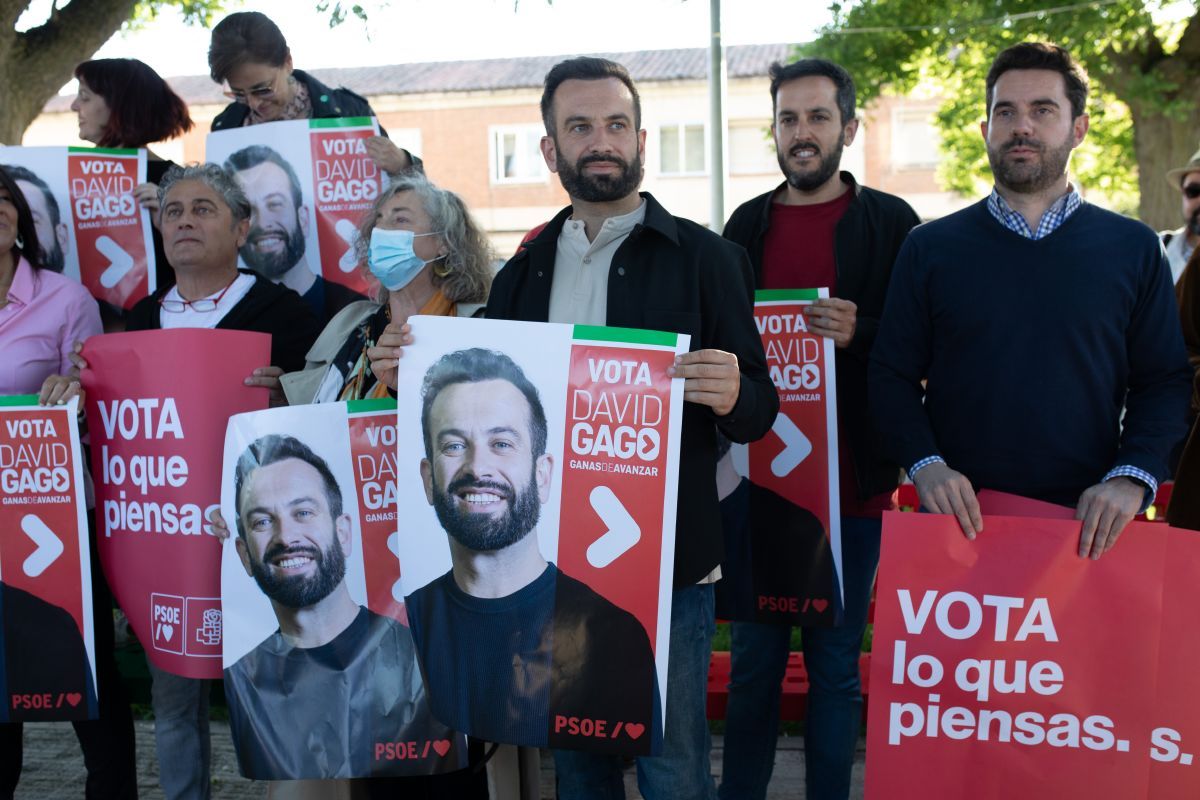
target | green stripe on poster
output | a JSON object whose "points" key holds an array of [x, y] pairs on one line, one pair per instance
{"points": [[599, 333], [340, 122], [370, 405], [768, 295], [19, 400]]}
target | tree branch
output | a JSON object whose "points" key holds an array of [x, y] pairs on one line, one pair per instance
{"points": [[1189, 43], [69, 36]]}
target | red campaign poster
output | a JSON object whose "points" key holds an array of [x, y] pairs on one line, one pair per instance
{"points": [[783, 524], [157, 404], [47, 653], [373, 449], [615, 467], [538, 474], [345, 184], [112, 230], [1011, 667]]}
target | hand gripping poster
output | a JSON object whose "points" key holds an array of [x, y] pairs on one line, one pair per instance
{"points": [[157, 406], [1008, 666], [538, 469], [321, 673], [309, 183], [779, 495], [47, 652], [89, 225]]}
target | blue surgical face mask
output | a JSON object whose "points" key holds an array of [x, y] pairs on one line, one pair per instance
{"points": [[392, 260]]}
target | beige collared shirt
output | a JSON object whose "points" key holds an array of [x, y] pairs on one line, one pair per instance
{"points": [[579, 292]]}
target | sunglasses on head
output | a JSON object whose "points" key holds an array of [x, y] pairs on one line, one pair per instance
{"points": [[1191, 191]]}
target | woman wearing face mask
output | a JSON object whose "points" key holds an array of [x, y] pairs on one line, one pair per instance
{"points": [[124, 103], [250, 55], [421, 245]]}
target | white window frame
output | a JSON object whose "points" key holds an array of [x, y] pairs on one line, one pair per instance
{"points": [[681, 133], [760, 127], [903, 113], [496, 154]]}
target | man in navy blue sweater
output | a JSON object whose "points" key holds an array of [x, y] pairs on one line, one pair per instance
{"points": [[1034, 318]]}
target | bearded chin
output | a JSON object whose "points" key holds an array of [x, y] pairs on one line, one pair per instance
{"points": [[483, 533], [274, 266]]}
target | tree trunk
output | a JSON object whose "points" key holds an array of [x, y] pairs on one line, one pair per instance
{"points": [[1160, 144], [37, 62]]}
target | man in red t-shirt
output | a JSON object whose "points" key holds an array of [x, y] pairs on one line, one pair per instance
{"points": [[819, 228]]}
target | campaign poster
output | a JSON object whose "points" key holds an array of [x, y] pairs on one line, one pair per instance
{"points": [[47, 646], [157, 406], [317, 656], [89, 225], [1008, 666], [309, 182], [538, 470], [782, 520]]}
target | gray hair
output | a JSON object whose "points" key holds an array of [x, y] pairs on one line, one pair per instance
{"points": [[215, 178], [464, 274]]}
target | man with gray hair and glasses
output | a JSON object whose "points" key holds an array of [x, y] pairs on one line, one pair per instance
{"points": [[205, 218]]}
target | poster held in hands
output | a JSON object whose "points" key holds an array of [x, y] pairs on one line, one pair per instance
{"points": [[48, 669], [538, 471], [157, 423], [317, 656]]}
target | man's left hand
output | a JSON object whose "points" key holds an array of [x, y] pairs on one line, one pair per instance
{"points": [[710, 378], [268, 378], [833, 317], [387, 156], [1106, 509]]}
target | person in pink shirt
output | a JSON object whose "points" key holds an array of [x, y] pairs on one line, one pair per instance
{"points": [[42, 315]]}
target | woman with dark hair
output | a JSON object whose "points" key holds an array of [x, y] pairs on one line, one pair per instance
{"points": [[42, 315], [248, 52], [122, 102]]}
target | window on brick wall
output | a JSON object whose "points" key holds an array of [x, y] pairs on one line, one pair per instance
{"points": [[681, 149], [914, 139], [751, 151], [516, 154]]}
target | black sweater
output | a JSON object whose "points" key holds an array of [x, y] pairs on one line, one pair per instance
{"points": [[1031, 349]]}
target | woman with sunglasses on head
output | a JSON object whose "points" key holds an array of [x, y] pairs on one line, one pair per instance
{"points": [[250, 55], [122, 102], [42, 315]]}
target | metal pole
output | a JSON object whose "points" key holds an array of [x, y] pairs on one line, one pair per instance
{"points": [[716, 119]]}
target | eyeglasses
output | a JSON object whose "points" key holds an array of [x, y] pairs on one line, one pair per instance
{"points": [[203, 304], [1191, 191], [257, 92]]}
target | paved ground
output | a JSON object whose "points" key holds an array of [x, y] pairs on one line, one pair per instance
{"points": [[54, 767]]}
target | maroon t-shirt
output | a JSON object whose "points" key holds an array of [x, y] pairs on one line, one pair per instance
{"points": [[798, 253]]}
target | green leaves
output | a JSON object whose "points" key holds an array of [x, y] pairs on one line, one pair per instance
{"points": [[1128, 48]]}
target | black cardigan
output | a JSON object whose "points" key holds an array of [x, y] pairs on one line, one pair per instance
{"points": [[266, 308], [670, 274], [866, 241]]}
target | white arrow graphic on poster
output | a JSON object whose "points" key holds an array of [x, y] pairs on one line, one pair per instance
{"points": [[119, 262], [623, 531], [346, 229], [49, 546], [796, 448]]}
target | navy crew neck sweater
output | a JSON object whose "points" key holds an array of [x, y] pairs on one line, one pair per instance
{"points": [[1030, 350]]}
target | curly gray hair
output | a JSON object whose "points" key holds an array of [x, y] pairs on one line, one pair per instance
{"points": [[465, 273], [216, 178]]}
